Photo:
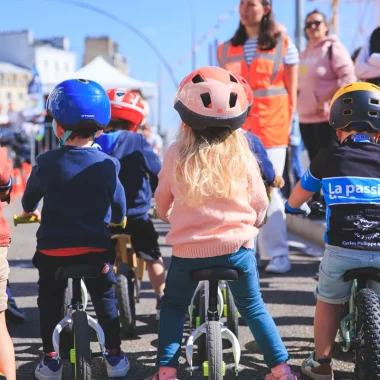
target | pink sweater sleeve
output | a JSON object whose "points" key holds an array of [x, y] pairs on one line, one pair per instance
{"points": [[342, 64], [259, 197], [163, 195]]}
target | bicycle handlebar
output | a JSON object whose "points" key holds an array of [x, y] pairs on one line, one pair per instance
{"points": [[316, 210], [32, 219]]}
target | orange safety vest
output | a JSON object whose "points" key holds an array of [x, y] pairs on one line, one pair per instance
{"points": [[270, 117]]}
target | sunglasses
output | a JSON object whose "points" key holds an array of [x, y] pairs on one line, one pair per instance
{"points": [[310, 24]]}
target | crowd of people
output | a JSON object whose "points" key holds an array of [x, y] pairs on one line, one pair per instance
{"points": [[223, 203]]}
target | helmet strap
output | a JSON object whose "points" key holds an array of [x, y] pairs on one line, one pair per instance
{"points": [[65, 137], [93, 142]]}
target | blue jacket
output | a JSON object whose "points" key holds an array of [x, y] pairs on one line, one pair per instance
{"points": [[139, 168], [82, 195], [258, 149]]}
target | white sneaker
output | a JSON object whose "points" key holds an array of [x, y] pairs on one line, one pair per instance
{"points": [[50, 368], [279, 264], [117, 366]]}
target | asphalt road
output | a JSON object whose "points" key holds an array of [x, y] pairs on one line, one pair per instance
{"points": [[289, 299]]}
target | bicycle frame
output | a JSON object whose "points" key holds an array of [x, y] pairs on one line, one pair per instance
{"points": [[226, 333], [67, 320], [206, 286]]}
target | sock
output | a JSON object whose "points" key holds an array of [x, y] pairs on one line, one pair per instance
{"points": [[166, 373], [281, 370], [115, 352]]}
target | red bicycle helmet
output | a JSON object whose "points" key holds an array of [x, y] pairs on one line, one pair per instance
{"points": [[126, 105], [211, 97], [247, 89]]}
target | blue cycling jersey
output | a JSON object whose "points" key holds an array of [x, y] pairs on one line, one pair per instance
{"points": [[350, 179]]}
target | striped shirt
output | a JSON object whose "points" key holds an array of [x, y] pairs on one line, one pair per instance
{"points": [[250, 47]]}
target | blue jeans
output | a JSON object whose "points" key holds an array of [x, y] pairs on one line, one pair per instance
{"points": [[179, 290]]}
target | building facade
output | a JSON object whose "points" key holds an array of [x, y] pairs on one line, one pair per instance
{"points": [[106, 48], [13, 85], [51, 57]]}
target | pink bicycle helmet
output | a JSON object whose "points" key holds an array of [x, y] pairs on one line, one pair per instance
{"points": [[211, 97]]}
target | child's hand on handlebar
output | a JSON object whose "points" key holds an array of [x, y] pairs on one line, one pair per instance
{"points": [[304, 209], [278, 182], [26, 215]]}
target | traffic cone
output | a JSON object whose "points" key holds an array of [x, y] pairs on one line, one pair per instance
{"points": [[26, 169], [18, 188]]}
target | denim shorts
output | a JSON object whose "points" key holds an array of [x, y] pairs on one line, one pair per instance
{"points": [[336, 261], [4, 271]]}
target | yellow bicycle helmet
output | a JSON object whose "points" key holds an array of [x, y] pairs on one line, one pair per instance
{"points": [[356, 107]]}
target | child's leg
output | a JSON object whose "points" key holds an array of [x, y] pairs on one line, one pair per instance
{"points": [[7, 355], [105, 305], [156, 272], [145, 241], [326, 324], [50, 298], [251, 306], [179, 290]]}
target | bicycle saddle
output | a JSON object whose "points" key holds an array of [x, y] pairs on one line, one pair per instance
{"points": [[215, 273], [77, 271], [363, 274]]}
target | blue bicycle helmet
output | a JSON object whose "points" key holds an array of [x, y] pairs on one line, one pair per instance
{"points": [[79, 103]]}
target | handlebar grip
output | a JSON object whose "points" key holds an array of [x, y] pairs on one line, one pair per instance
{"points": [[122, 224], [18, 220]]}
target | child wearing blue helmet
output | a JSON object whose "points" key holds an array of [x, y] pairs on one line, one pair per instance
{"points": [[82, 196]]}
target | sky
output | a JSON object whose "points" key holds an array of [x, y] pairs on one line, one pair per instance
{"points": [[168, 24]]}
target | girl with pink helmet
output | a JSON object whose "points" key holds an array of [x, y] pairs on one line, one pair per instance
{"points": [[211, 192]]}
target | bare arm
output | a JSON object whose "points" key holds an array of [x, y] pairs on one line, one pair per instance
{"points": [[299, 196]]}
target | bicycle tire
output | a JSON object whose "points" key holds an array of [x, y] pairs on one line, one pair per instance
{"points": [[232, 317], [82, 366], [202, 348], [65, 338], [125, 299], [214, 351], [367, 360]]}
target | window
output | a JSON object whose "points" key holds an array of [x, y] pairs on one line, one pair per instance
{"points": [[21, 96], [20, 82], [9, 96], [46, 63], [66, 67], [56, 65]]}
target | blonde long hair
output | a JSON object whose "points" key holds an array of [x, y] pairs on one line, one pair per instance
{"points": [[213, 163]]}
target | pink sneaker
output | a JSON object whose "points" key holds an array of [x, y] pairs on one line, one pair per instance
{"points": [[283, 377], [155, 377]]}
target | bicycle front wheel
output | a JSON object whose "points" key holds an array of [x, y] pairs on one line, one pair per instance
{"points": [[82, 362], [214, 348]]}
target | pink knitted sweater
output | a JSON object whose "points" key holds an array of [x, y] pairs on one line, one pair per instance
{"points": [[218, 226]]}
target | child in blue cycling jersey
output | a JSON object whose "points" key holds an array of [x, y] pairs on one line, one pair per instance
{"points": [[349, 175], [139, 167], [82, 196]]}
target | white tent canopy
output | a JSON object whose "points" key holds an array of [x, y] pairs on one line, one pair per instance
{"points": [[108, 76]]}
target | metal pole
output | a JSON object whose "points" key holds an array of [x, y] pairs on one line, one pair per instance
{"points": [[215, 53], [193, 35], [300, 38], [159, 103], [335, 18]]}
